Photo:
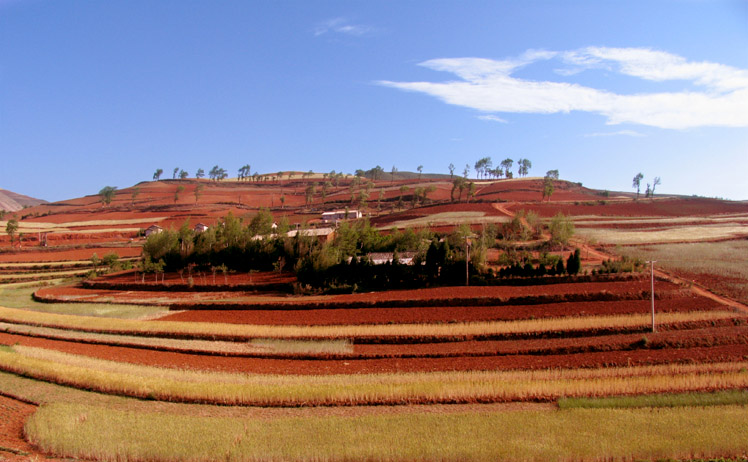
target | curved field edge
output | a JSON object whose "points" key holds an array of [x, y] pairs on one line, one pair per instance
{"points": [[91, 432], [344, 349], [716, 398], [456, 331], [163, 384]]}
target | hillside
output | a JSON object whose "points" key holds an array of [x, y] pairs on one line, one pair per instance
{"points": [[10, 201]]}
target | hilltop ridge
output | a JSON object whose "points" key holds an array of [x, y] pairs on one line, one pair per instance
{"points": [[11, 201]]}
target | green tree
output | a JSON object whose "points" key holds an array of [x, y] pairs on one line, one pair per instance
{"points": [[11, 228], [107, 193], [174, 175], [574, 262], [183, 174], [458, 184], [179, 189], [157, 175], [638, 183], [420, 171], [506, 164], [524, 167], [552, 174], [547, 188], [198, 192], [200, 173], [561, 229]]}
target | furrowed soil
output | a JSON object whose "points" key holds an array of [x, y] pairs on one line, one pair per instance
{"points": [[344, 316], [387, 365]]}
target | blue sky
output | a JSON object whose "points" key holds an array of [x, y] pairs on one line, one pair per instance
{"points": [[99, 93]]}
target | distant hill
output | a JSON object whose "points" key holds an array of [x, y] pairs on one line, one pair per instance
{"points": [[10, 201]]}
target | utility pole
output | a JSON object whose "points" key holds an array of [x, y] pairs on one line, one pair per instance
{"points": [[652, 279]]}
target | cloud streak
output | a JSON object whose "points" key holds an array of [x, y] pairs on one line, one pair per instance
{"points": [[719, 96], [341, 26]]}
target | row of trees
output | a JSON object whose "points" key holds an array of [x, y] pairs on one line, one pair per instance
{"points": [[483, 169], [650, 188]]}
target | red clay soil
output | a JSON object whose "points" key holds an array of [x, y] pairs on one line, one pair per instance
{"points": [[444, 293], [678, 207], [531, 190], [388, 365], [40, 254], [13, 415], [437, 295], [681, 338], [344, 316]]}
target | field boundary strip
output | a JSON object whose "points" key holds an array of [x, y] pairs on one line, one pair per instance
{"points": [[161, 384], [236, 332], [321, 352]]}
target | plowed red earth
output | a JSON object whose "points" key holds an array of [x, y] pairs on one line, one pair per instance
{"points": [[13, 415], [345, 316], [387, 365], [40, 255], [642, 208], [444, 295]]}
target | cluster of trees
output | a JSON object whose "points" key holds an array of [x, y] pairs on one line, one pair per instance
{"points": [[483, 168], [251, 243], [650, 188]]}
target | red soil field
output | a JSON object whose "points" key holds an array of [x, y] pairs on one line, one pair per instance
{"points": [[387, 365], [14, 414], [531, 190], [40, 254], [678, 207], [437, 295], [343, 316]]}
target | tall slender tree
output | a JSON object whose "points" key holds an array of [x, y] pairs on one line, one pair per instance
{"points": [[157, 175], [655, 183], [638, 183], [524, 167]]}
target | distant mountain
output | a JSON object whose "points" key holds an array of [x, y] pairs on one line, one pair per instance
{"points": [[11, 201]]}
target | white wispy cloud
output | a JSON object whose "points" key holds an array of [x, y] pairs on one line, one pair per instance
{"points": [[720, 97], [618, 133], [342, 26], [492, 118]]}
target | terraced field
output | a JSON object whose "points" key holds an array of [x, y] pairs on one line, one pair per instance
{"points": [[237, 367]]}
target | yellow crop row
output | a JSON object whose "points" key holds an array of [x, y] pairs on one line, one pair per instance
{"points": [[243, 331], [240, 389]]}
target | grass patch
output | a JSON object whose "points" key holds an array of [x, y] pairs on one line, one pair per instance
{"points": [[19, 297], [91, 432], [169, 384], [658, 236], [717, 398], [721, 266], [285, 346], [448, 218]]}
